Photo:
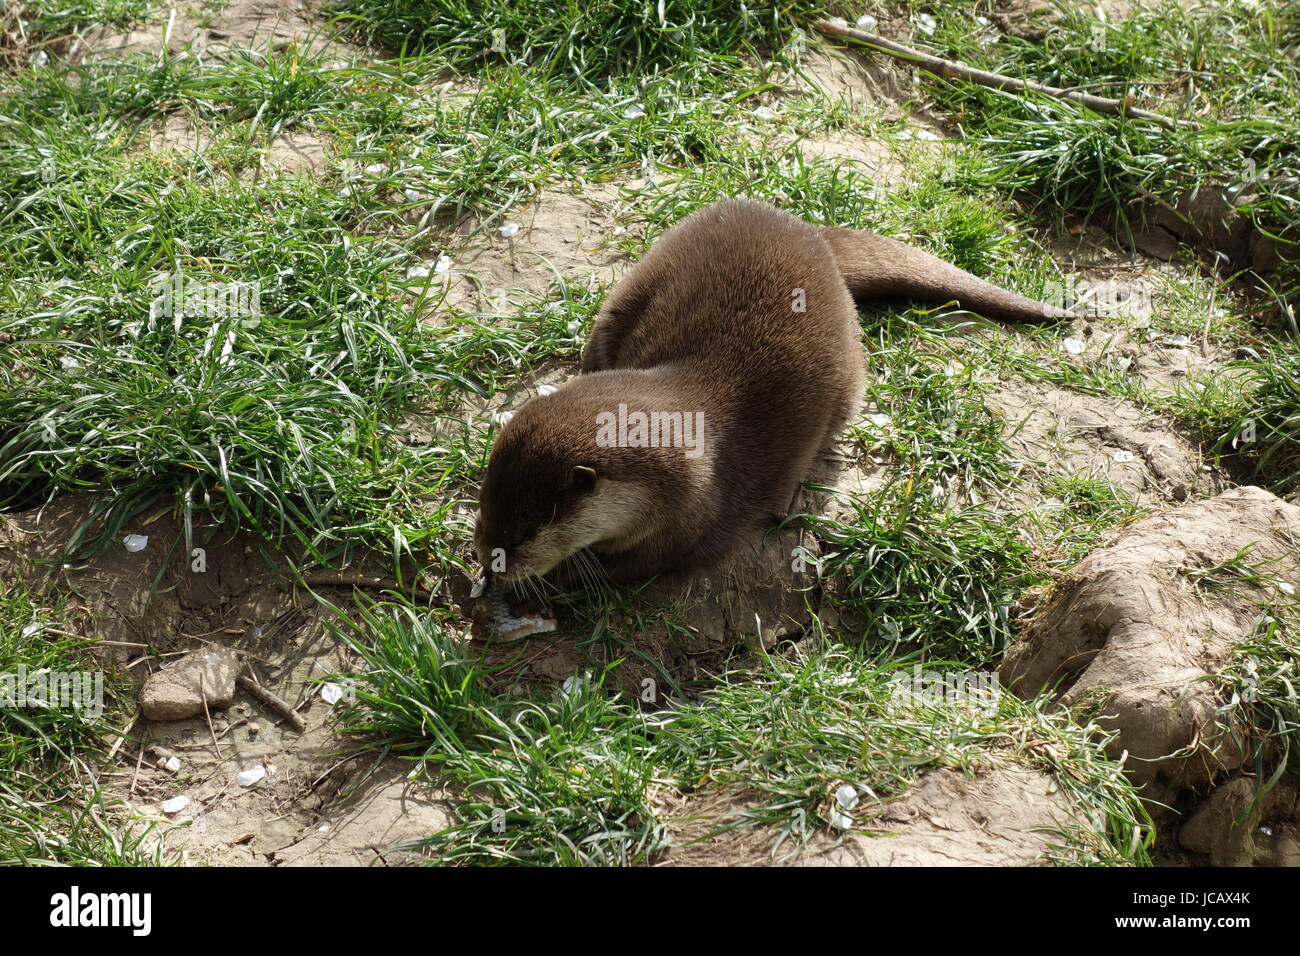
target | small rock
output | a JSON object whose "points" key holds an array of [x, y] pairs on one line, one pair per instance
{"points": [[175, 805], [178, 691], [246, 778]]}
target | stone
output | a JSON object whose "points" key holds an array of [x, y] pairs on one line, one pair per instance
{"points": [[179, 690]]}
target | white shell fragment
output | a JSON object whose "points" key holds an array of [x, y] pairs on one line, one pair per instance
{"points": [[136, 542], [246, 778], [173, 764], [1073, 345], [509, 230], [175, 805]]}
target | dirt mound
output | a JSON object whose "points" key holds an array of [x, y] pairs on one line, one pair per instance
{"points": [[1230, 829], [999, 816], [1137, 627], [1061, 431]]}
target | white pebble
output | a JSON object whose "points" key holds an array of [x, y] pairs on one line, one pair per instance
{"points": [[175, 805], [868, 22], [880, 420], [1122, 457], [173, 764], [546, 389], [136, 542], [374, 169], [509, 230], [838, 21], [575, 684], [246, 778], [1073, 345], [443, 265], [763, 112]]}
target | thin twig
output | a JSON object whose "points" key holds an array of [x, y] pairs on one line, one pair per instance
{"points": [[277, 704], [211, 730], [365, 581], [950, 68]]}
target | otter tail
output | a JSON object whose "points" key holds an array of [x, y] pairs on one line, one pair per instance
{"points": [[875, 266]]}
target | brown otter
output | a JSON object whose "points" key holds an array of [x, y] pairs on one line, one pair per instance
{"points": [[719, 368]]}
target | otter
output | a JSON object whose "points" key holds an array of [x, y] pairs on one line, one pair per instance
{"points": [[719, 368]]}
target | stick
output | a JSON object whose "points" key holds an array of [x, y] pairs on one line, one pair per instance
{"points": [[349, 579], [208, 717], [950, 68], [277, 704]]}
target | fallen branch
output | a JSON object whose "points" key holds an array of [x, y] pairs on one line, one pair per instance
{"points": [[277, 704], [950, 68]]}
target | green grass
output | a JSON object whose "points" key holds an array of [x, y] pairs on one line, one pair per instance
{"points": [[1249, 415], [280, 420], [1215, 64], [1258, 693], [570, 776], [581, 42], [58, 18], [52, 811]]}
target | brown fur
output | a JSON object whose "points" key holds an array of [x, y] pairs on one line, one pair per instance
{"points": [[705, 322]]}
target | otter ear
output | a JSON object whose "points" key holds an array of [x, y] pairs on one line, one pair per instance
{"points": [[584, 478]]}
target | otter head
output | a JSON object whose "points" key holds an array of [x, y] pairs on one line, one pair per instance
{"points": [[550, 492]]}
